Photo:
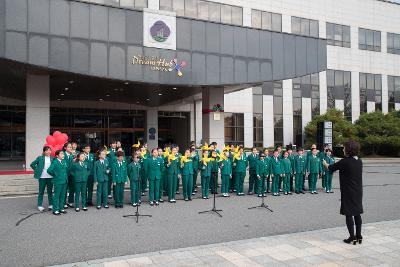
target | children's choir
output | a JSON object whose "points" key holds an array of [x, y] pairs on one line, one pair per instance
{"points": [[71, 176]]}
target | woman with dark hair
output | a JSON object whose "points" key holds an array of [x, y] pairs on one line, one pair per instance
{"points": [[351, 190]]}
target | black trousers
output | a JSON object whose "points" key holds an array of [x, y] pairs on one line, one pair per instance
{"points": [[350, 222]]}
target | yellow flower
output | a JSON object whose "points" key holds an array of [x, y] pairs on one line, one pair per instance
{"points": [[171, 157], [205, 147], [227, 148], [184, 159], [222, 156], [166, 152], [136, 145], [205, 160]]}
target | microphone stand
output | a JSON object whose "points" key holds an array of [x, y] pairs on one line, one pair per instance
{"points": [[214, 209], [262, 205], [137, 214]]}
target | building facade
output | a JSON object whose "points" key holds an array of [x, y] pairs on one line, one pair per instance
{"points": [[155, 70]]}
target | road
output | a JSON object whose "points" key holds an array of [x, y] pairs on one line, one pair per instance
{"points": [[44, 239]]}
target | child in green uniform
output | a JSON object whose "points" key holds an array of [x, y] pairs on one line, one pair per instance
{"points": [[68, 159], [322, 155], [172, 166], [225, 165], [163, 179], [232, 181], [195, 159], [253, 161], [262, 170], [111, 160], [205, 172], [143, 176], [268, 178], [276, 172], [59, 170], [134, 169], [119, 174], [186, 165], [80, 172], [287, 171], [214, 172], [154, 167], [299, 171], [327, 173], [100, 175], [291, 158], [314, 168], [89, 160], [40, 166], [240, 165], [308, 156]]}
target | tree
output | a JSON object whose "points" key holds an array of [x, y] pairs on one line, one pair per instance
{"points": [[343, 129]]}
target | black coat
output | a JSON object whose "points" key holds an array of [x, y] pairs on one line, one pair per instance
{"points": [[351, 187]]}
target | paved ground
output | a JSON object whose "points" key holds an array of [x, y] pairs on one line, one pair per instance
{"points": [[381, 247], [43, 239]]}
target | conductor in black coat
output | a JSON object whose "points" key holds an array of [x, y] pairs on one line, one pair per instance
{"points": [[351, 189]]}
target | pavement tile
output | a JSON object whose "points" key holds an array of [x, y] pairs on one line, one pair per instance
{"points": [[116, 264], [298, 263], [368, 261], [140, 261], [349, 263], [315, 260]]}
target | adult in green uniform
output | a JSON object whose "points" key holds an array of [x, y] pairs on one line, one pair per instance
{"points": [[287, 171], [179, 156], [154, 168], [119, 174], [186, 166], [111, 159], [308, 156], [134, 169], [59, 170], [268, 178], [214, 172], [89, 160], [262, 170], [225, 165], [80, 172], [314, 169], [240, 165], [163, 179], [322, 155], [233, 179], [276, 172], [253, 159], [205, 173], [172, 166], [68, 159], [326, 172], [299, 171], [143, 176], [39, 167], [101, 177], [291, 157], [195, 160]]}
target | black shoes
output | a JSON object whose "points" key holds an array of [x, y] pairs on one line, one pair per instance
{"points": [[359, 239], [351, 240]]}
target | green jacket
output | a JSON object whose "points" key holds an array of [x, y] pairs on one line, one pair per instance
{"points": [[330, 161], [111, 155], [314, 165], [68, 159], [286, 165], [195, 160], [214, 164], [263, 167], [240, 165], [153, 168], [100, 171], [134, 171], [119, 172], [205, 170], [37, 166], [226, 167], [300, 164], [173, 168], [291, 157], [187, 168], [59, 170], [276, 166], [253, 160], [80, 173], [90, 163]]}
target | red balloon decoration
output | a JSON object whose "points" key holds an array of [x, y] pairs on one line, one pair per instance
{"points": [[50, 140], [56, 141]]}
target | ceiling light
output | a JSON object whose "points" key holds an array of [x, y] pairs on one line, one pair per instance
{"points": [[126, 83], [148, 99], [137, 102], [174, 88], [71, 82], [115, 89], [58, 99], [159, 94], [66, 88], [101, 99], [107, 95], [61, 94]]}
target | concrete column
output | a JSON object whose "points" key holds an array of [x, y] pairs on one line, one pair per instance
{"points": [[37, 115], [268, 120], [213, 130], [247, 16], [355, 95], [198, 122], [153, 4], [248, 129], [192, 121], [287, 99], [323, 93], [322, 29], [151, 125], [306, 113], [286, 23], [385, 94]]}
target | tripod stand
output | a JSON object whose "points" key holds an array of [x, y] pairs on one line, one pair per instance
{"points": [[214, 209], [262, 205], [137, 214]]}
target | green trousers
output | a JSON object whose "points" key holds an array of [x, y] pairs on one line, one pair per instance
{"points": [[232, 182], [143, 181], [172, 181], [252, 181], [261, 184], [195, 174], [205, 185], [162, 182], [119, 193], [299, 182], [71, 189], [90, 183], [135, 194], [286, 183], [102, 193], [43, 184], [80, 194], [323, 181], [239, 176], [328, 181], [268, 182], [225, 183], [59, 196], [313, 178], [154, 189], [187, 184], [275, 183]]}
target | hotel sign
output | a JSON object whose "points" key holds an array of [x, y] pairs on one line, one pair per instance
{"points": [[159, 63]]}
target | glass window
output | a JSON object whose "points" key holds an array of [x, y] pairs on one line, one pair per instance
{"points": [[203, 10], [361, 39], [166, 5], [237, 15], [338, 35], [214, 11], [296, 29], [330, 33], [305, 27], [377, 41], [314, 28], [234, 129], [256, 18], [276, 22], [266, 21], [127, 3], [369, 40], [191, 8], [141, 3], [346, 36], [179, 7], [257, 104], [226, 14], [393, 43]]}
